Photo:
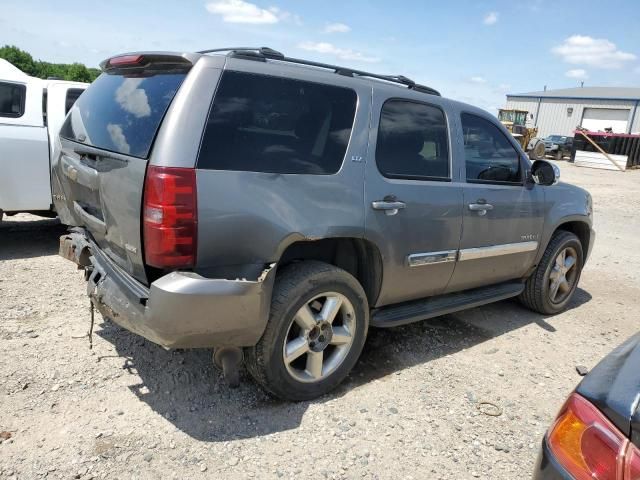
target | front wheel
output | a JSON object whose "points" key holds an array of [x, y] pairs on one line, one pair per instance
{"points": [[552, 285], [316, 331]]}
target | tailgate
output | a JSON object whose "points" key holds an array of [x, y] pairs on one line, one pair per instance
{"points": [[105, 142]]}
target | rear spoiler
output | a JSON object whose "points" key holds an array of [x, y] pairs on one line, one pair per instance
{"points": [[148, 63]]}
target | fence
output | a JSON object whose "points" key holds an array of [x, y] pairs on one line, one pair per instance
{"points": [[613, 143]]}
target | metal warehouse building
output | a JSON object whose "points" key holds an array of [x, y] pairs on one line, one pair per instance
{"points": [[594, 108]]}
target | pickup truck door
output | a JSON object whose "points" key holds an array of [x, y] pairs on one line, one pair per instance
{"points": [[503, 214], [413, 203], [24, 147], [60, 99]]}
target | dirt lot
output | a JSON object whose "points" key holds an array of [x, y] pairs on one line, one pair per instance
{"points": [[129, 409]]}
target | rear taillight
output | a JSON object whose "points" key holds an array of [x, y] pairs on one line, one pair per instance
{"points": [[589, 446], [170, 220], [632, 464]]}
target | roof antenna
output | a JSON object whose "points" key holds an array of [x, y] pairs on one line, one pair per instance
{"points": [[582, 84]]}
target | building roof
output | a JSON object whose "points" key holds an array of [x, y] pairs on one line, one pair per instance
{"points": [[584, 93]]}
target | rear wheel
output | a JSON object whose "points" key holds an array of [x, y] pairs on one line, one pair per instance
{"points": [[553, 283], [316, 330]]}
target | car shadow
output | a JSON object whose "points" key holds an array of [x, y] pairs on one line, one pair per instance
{"points": [[29, 239], [185, 388]]}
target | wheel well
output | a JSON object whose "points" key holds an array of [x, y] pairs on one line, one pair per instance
{"points": [[580, 230], [359, 257]]}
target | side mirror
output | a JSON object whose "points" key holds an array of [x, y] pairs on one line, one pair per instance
{"points": [[545, 173]]}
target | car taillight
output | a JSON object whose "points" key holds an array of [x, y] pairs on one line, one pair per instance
{"points": [[170, 218], [589, 446], [632, 464]]}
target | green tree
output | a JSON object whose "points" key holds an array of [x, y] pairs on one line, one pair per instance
{"points": [[37, 68], [78, 73], [19, 58]]}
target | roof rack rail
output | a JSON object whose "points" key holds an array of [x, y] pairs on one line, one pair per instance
{"points": [[263, 53]]}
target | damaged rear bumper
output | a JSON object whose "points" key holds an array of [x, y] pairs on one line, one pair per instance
{"points": [[180, 309]]}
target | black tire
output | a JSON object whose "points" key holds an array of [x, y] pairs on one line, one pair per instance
{"points": [[536, 294], [296, 285]]}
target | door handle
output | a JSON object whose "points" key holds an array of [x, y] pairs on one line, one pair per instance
{"points": [[389, 207], [481, 208]]}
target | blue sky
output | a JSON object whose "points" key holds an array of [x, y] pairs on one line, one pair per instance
{"points": [[471, 51]]}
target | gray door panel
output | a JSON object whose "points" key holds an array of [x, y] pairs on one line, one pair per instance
{"points": [[501, 223], [427, 229], [499, 244], [418, 242]]}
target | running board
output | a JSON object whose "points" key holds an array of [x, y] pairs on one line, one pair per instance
{"points": [[414, 311]]}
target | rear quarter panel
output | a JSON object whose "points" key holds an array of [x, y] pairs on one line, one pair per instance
{"points": [[249, 218]]}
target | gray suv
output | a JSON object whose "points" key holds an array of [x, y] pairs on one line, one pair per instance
{"points": [[274, 209]]}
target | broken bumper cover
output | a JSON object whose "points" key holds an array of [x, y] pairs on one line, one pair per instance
{"points": [[180, 309]]}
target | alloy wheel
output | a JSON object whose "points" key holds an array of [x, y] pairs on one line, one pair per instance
{"points": [[319, 338], [563, 275]]}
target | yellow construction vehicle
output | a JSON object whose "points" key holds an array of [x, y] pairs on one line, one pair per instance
{"points": [[516, 122]]}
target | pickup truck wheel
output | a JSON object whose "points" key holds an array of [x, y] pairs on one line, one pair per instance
{"points": [[553, 283], [316, 330]]}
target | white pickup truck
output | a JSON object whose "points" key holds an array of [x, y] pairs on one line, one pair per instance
{"points": [[31, 114]]}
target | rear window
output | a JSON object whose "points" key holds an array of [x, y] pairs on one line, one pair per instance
{"points": [[269, 124], [122, 114]]}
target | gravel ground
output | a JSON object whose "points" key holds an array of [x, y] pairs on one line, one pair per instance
{"points": [[411, 409]]}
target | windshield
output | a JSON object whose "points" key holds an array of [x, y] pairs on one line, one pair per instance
{"points": [[556, 138], [122, 114], [518, 117]]}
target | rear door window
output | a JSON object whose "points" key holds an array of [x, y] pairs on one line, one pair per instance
{"points": [[488, 154], [261, 123], [412, 141], [122, 114], [12, 97]]}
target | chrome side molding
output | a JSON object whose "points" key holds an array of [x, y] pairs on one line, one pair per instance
{"points": [[430, 258], [497, 250], [420, 259]]}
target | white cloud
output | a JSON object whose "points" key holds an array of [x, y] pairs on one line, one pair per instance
{"points": [[342, 53], [239, 11], [118, 138], [477, 79], [491, 18], [595, 52], [133, 99], [578, 73], [504, 86], [286, 16], [337, 28]]}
